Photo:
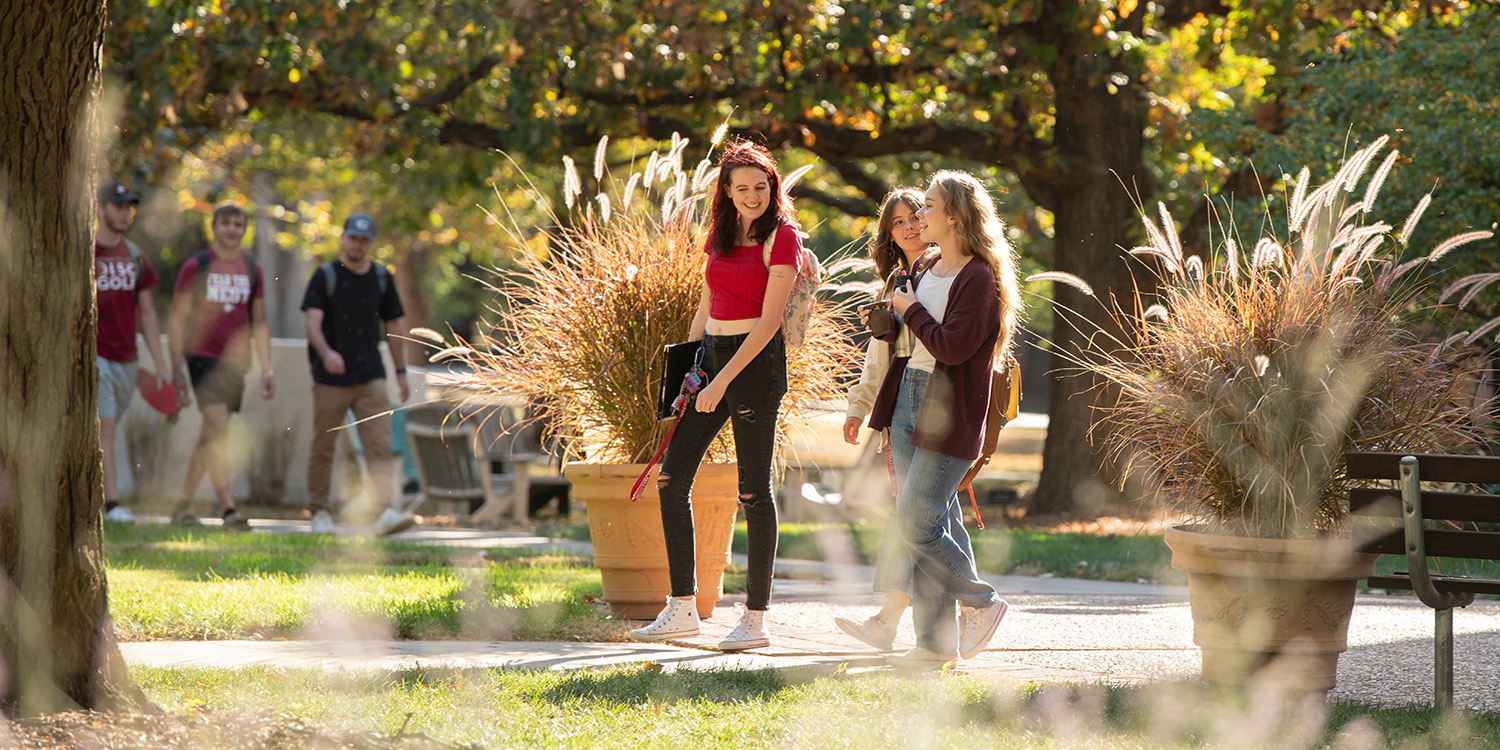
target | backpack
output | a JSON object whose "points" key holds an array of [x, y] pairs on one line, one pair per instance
{"points": [[136, 258], [330, 278], [1005, 405], [799, 304]]}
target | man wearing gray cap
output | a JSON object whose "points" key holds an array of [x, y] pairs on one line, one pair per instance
{"points": [[346, 302], [123, 279]]}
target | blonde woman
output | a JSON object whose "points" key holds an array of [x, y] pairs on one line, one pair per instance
{"points": [[962, 312], [897, 248]]}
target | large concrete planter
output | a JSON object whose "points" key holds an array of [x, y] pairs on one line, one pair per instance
{"points": [[1273, 608], [629, 548]]}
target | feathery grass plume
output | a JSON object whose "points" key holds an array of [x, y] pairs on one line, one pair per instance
{"points": [[1239, 391], [704, 175], [1170, 230], [584, 325], [1298, 204], [719, 133], [1476, 280], [1458, 241], [603, 199], [628, 194], [1483, 281], [599, 157], [653, 162], [1416, 216], [1063, 277], [1360, 163], [427, 334], [572, 187], [1481, 332], [1169, 261], [1373, 190], [791, 179], [1267, 253]]}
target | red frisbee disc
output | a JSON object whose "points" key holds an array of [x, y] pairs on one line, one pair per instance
{"points": [[158, 392]]}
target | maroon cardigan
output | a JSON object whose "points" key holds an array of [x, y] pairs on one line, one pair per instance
{"points": [[951, 420]]}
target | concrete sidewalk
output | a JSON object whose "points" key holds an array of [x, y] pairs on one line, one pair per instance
{"points": [[1057, 629]]}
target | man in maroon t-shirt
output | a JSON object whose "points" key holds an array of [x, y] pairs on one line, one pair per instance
{"points": [[122, 288], [220, 292]]}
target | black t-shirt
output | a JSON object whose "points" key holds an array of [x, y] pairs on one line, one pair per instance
{"points": [[352, 321]]}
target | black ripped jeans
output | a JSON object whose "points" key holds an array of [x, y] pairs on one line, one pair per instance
{"points": [[752, 403]]}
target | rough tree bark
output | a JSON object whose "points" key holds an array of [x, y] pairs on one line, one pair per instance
{"points": [[1100, 143], [57, 648]]}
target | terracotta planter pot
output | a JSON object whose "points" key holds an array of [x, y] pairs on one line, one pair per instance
{"points": [[629, 548], [1272, 606]]}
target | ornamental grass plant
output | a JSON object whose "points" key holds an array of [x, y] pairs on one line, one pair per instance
{"points": [[1243, 381], [580, 328]]}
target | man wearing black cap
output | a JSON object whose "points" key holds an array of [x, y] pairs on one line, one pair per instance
{"points": [[122, 287], [346, 302]]}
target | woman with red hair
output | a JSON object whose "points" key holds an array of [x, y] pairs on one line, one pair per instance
{"points": [[744, 358]]}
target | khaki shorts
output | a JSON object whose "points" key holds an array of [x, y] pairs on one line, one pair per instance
{"points": [[116, 386]]}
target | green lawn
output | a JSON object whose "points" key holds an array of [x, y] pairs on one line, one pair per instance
{"points": [[642, 707], [1001, 551], [168, 583]]}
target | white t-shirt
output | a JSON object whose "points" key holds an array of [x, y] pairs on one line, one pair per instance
{"points": [[932, 292]]}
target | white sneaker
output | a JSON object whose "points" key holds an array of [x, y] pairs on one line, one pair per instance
{"points": [[322, 522], [874, 632], [679, 619], [750, 633], [392, 521], [918, 659], [120, 514], [977, 626]]}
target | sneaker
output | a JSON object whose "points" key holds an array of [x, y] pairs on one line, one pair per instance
{"points": [[918, 659], [233, 521], [874, 632], [679, 619], [119, 514], [182, 515], [392, 521], [977, 626], [749, 633], [322, 522]]}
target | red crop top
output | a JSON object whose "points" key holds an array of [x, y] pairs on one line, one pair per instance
{"points": [[737, 281]]}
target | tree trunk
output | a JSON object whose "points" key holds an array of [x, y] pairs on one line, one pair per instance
{"points": [[411, 263], [57, 649], [285, 271], [1099, 139]]}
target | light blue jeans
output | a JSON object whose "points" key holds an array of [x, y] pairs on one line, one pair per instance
{"points": [[927, 507], [893, 563]]}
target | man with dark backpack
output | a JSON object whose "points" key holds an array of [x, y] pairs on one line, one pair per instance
{"points": [[348, 302], [122, 287], [218, 307]]}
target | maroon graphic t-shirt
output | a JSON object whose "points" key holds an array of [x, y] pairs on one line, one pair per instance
{"points": [[221, 323], [117, 281]]}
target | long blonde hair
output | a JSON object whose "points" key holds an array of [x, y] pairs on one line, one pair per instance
{"points": [[982, 234]]}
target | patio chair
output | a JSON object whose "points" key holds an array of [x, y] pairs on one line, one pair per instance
{"points": [[454, 468]]}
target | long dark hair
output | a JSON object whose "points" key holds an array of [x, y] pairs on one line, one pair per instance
{"points": [[883, 248], [723, 225]]}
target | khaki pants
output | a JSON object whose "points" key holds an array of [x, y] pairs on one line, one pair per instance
{"points": [[330, 405]]}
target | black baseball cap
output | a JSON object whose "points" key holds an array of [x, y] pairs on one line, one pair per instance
{"points": [[360, 225], [115, 192]]}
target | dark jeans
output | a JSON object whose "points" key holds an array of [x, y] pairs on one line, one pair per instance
{"points": [[752, 404]]}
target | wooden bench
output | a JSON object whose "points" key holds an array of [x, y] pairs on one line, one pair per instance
{"points": [[1414, 539]]}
